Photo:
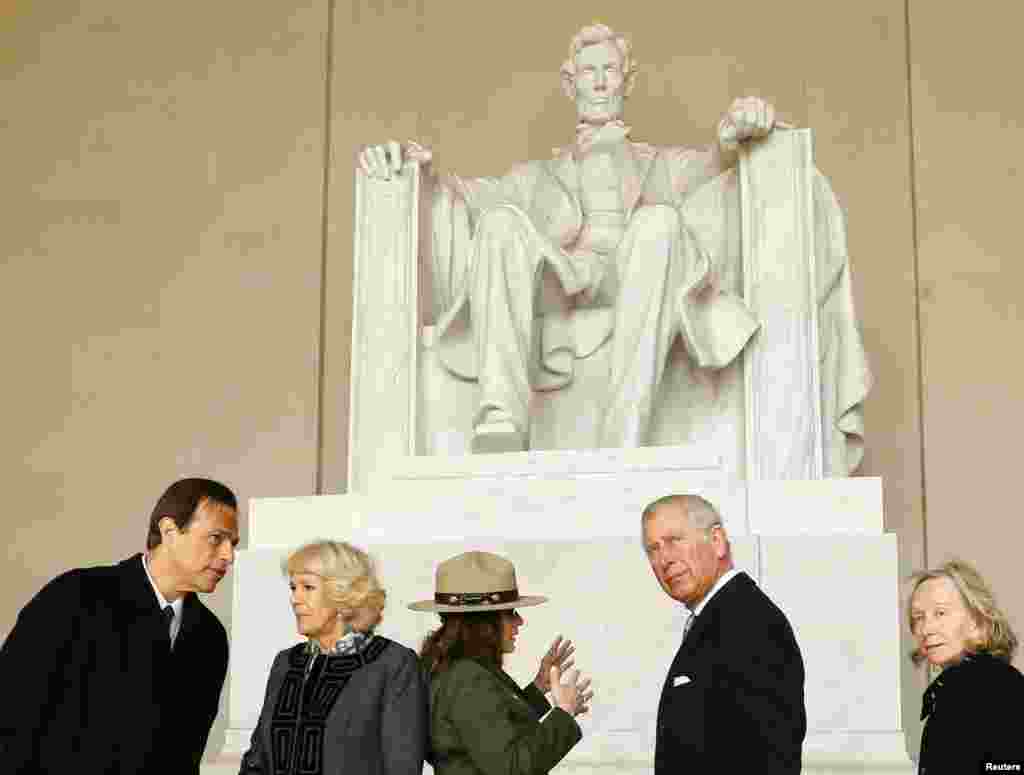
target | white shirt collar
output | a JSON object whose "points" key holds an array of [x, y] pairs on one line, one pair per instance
{"points": [[722, 580], [177, 605]]}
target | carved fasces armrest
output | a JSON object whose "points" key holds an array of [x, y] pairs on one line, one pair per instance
{"points": [[782, 385], [386, 321]]}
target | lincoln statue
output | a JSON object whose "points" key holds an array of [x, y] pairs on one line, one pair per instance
{"points": [[593, 247]]}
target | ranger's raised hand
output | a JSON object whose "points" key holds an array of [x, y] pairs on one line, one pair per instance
{"points": [[573, 696], [558, 655]]}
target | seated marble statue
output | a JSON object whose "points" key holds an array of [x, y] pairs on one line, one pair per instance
{"points": [[560, 256]]}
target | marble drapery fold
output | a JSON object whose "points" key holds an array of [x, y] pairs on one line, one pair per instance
{"points": [[512, 285]]}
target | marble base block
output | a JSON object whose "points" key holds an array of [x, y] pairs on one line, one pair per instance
{"points": [[579, 544]]}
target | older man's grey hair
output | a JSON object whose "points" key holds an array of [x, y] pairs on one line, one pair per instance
{"points": [[698, 510]]}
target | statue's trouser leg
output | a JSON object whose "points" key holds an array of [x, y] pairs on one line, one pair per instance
{"points": [[504, 281], [650, 262]]}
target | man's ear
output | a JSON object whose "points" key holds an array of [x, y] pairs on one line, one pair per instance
{"points": [[166, 525], [721, 541], [568, 85]]}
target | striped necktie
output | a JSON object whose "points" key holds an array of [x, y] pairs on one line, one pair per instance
{"points": [[688, 626]]}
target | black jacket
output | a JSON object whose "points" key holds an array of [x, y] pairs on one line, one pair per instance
{"points": [[972, 719], [90, 685], [733, 700]]}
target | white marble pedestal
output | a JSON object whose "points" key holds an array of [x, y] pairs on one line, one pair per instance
{"points": [[570, 522]]}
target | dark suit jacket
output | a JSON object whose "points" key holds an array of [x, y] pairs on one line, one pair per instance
{"points": [[971, 717], [90, 685], [359, 714], [482, 723], [742, 707]]}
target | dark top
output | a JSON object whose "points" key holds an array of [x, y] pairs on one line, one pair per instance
{"points": [[482, 723], [364, 712], [733, 700], [90, 684], [973, 717]]}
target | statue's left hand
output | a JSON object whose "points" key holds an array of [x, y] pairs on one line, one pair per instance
{"points": [[747, 118]]}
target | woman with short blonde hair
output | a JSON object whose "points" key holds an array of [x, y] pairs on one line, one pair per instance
{"points": [[346, 700], [349, 574], [959, 628]]}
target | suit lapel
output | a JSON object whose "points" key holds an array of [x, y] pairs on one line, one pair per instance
{"points": [[710, 612], [636, 165], [189, 618], [144, 639], [143, 610], [635, 162], [136, 591], [555, 202], [566, 171]]}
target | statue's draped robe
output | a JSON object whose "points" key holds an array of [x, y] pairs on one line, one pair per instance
{"points": [[535, 210]]}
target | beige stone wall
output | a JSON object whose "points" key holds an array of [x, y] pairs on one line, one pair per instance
{"points": [[967, 176], [160, 267], [176, 245]]}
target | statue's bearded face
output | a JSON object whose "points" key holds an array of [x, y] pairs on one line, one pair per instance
{"points": [[599, 83]]}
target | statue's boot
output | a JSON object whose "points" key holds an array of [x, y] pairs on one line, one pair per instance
{"points": [[496, 432]]}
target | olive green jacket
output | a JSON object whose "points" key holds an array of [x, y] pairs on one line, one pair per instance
{"points": [[482, 723]]}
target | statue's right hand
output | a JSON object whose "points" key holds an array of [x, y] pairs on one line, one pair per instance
{"points": [[383, 161]]}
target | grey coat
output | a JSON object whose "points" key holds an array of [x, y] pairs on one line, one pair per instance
{"points": [[363, 714]]}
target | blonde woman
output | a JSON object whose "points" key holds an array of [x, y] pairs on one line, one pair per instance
{"points": [[346, 700], [959, 629]]}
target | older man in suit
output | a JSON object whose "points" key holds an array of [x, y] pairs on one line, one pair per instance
{"points": [[119, 669], [733, 700]]}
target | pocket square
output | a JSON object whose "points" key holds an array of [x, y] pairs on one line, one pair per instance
{"points": [[680, 680]]}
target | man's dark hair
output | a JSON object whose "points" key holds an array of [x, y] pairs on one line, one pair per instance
{"points": [[180, 501], [474, 634]]}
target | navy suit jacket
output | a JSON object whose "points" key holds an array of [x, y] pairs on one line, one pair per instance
{"points": [[90, 684], [733, 700]]}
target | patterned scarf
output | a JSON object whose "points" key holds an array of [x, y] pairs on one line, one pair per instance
{"points": [[352, 642]]}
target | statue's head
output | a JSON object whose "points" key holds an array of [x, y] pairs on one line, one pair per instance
{"points": [[599, 74]]}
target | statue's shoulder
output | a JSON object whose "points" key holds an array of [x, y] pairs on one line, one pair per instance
{"points": [[644, 151], [528, 168]]}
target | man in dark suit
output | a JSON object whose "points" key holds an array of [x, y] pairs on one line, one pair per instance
{"points": [[118, 669], [733, 700]]}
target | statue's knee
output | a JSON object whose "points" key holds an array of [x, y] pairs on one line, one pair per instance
{"points": [[660, 218], [500, 220]]}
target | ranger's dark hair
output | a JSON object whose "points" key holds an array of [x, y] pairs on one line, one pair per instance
{"points": [[475, 634]]}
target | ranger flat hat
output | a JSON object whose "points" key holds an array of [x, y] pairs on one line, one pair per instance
{"points": [[475, 581]]}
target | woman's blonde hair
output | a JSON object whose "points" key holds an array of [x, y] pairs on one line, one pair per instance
{"points": [[349, 575], [997, 637]]}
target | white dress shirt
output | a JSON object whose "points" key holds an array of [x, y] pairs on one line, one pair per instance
{"points": [[722, 581], [177, 605]]}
